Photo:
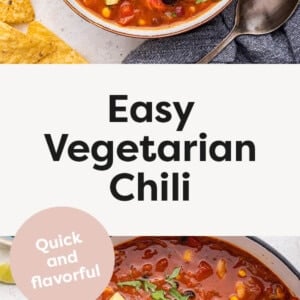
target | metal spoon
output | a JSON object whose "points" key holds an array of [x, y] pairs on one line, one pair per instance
{"points": [[255, 17]]}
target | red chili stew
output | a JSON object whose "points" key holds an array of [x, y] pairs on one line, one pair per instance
{"points": [[147, 13], [190, 268]]}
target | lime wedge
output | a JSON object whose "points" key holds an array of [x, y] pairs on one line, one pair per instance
{"points": [[5, 274]]}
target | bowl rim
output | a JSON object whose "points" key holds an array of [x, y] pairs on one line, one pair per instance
{"points": [[147, 36]]}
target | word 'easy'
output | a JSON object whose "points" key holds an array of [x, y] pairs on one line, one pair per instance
{"points": [[141, 112]]}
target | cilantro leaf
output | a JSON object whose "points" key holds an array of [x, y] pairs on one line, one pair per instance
{"points": [[170, 278], [148, 286], [172, 283], [159, 295], [174, 274], [176, 295], [135, 283]]}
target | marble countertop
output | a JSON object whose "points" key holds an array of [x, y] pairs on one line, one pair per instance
{"points": [[287, 246], [95, 44]]}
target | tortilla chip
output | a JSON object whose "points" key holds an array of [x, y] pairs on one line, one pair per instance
{"points": [[63, 53], [16, 11], [18, 48]]}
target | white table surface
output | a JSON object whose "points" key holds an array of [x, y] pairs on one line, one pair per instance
{"points": [[95, 44], [288, 246]]}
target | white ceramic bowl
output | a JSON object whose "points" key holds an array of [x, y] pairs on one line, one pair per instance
{"points": [[143, 32], [264, 253]]}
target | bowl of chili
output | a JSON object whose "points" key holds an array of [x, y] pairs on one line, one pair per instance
{"points": [[147, 18], [200, 268]]}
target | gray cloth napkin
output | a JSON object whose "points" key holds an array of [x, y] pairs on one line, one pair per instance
{"points": [[281, 46]]}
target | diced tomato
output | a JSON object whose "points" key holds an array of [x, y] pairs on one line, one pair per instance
{"points": [[204, 271], [135, 273], [156, 4], [254, 288], [147, 268], [179, 10], [161, 265], [126, 13], [126, 9], [193, 242]]}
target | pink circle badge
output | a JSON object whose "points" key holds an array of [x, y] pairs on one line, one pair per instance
{"points": [[62, 253]]}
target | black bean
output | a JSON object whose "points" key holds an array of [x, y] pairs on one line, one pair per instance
{"points": [[183, 239], [169, 2], [189, 293]]}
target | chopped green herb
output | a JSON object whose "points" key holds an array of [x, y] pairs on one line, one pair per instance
{"points": [[176, 295], [170, 278], [135, 283], [148, 286], [172, 283], [159, 295], [200, 1], [174, 274]]}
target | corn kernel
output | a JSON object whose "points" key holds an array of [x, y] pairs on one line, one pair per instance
{"points": [[187, 255], [233, 297], [192, 9], [106, 12], [240, 289], [221, 268], [242, 273], [141, 22]]}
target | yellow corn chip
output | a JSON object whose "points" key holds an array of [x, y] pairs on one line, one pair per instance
{"points": [[18, 48], [63, 53], [16, 11]]}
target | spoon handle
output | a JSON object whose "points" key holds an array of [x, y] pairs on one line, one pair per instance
{"points": [[227, 40]]}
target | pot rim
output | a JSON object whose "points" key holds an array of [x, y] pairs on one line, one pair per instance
{"points": [[276, 253], [260, 242]]}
